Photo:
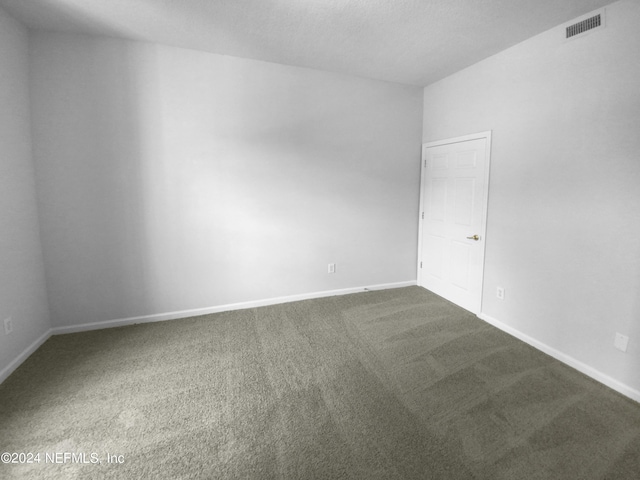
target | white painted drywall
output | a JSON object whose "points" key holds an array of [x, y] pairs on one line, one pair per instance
{"points": [[22, 288], [563, 233], [171, 179]]}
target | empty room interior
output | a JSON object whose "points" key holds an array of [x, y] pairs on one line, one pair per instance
{"points": [[298, 239]]}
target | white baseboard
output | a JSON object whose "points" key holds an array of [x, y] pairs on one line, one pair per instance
{"points": [[159, 317], [566, 359], [16, 362]]}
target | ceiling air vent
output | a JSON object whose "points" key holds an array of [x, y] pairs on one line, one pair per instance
{"points": [[584, 25]]}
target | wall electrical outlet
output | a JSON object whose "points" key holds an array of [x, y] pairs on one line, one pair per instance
{"points": [[621, 342], [8, 326], [332, 268], [500, 293]]}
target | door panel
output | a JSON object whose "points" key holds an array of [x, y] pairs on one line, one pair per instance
{"points": [[433, 263], [464, 201], [460, 264], [438, 197], [453, 194]]}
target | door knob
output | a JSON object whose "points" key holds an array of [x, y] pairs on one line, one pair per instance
{"points": [[475, 237]]}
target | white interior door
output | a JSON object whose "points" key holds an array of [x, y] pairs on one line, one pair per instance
{"points": [[453, 218]]}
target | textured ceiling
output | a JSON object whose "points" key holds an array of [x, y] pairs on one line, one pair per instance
{"points": [[414, 42]]}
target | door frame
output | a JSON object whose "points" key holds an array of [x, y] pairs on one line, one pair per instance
{"points": [[485, 199]]}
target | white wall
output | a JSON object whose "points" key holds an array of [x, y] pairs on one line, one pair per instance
{"points": [[22, 289], [564, 202], [172, 179]]}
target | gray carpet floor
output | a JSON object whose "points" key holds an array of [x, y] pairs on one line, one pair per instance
{"points": [[395, 384]]}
